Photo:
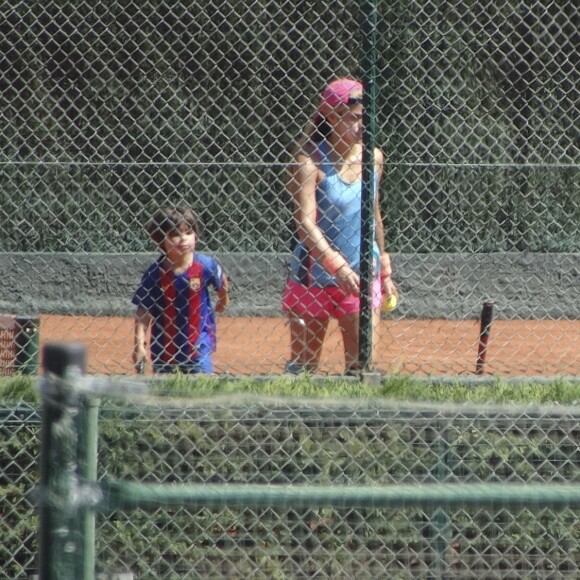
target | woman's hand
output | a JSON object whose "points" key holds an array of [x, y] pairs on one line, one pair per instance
{"points": [[389, 287], [348, 280]]}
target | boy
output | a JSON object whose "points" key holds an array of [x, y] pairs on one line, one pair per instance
{"points": [[173, 299]]}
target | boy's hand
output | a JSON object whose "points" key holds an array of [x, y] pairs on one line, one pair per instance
{"points": [[139, 353], [223, 298], [139, 358]]}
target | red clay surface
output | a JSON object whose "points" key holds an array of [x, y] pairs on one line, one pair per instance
{"points": [[259, 346]]}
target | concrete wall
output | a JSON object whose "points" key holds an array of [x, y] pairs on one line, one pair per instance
{"points": [[432, 285]]}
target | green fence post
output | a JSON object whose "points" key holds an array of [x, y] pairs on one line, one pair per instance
{"points": [[440, 524], [87, 447], [59, 485], [369, 73], [27, 344]]}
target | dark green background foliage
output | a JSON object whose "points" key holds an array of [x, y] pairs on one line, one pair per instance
{"points": [[112, 108]]}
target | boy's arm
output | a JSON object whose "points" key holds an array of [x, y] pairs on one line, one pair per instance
{"points": [[223, 296], [142, 323]]}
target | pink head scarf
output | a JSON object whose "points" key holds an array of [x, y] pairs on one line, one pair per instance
{"points": [[340, 92]]}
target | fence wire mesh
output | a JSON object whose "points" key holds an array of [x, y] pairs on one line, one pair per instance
{"points": [[315, 442], [111, 109]]}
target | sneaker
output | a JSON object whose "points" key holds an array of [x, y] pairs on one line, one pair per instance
{"points": [[293, 368]]}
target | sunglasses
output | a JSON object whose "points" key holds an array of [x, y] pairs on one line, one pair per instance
{"points": [[354, 101]]}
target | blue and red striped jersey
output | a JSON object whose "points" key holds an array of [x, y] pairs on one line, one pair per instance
{"points": [[181, 308]]}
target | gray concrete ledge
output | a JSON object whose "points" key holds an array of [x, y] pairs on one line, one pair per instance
{"points": [[451, 286]]}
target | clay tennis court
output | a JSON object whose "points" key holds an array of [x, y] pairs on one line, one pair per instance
{"points": [[259, 346]]}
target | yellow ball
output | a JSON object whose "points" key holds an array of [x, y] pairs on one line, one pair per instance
{"points": [[390, 303]]}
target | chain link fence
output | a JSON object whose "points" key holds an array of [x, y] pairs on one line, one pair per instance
{"points": [[293, 442], [111, 109]]}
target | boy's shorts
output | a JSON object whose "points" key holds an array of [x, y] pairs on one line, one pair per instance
{"points": [[202, 364], [326, 302]]}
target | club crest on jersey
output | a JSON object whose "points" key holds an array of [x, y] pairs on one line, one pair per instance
{"points": [[195, 284]]}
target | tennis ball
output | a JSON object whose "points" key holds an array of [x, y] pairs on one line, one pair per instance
{"points": [[390, 303]]}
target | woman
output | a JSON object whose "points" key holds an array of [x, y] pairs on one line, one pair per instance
{"points": [[325, 181]]}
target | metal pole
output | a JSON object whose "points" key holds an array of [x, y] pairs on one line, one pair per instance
{"points": [[440, 522], [127, 495], [47, 517], [59, 486], [87, 469], [27, 344], [484, 332], [369, 70]]}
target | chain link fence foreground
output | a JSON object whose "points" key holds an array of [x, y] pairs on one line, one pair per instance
{"points": [[342, 444]]}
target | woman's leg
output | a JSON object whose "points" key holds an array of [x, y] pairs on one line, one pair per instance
{"points": [[307, 335], [349, 325], [349, 328], [309, 310]]}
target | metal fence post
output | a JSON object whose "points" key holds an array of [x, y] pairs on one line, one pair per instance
{"points": [[87, 448], [59, 485], [440, 524], [27, 344], [369, 57]]}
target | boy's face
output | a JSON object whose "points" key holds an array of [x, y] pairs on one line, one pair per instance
{"points": [[179, 242]]}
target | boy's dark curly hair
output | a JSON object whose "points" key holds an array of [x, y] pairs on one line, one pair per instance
{"points": [[171, 219]]}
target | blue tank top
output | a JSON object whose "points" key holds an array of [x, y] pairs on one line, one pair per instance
{"points": [[339, 218]]}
